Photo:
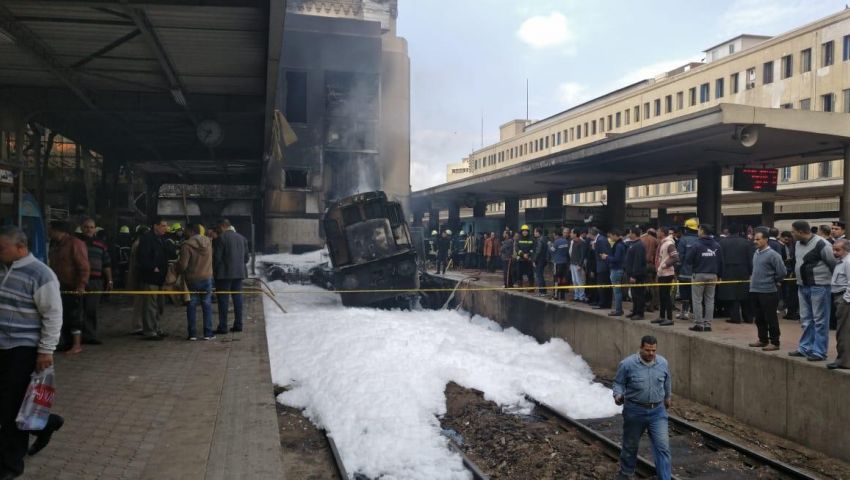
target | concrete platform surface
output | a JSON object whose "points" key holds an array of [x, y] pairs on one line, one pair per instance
{"points": [[172, 409]]}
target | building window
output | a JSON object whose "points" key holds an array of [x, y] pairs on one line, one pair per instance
{"points": [[601, 124], [806, 60], [718, 88], [731, 48], [825, 169], [680, 100], [733, 83], [617, 119], [578, 132], [826, 102], [296, 97], [804, 172], [668, 104], [751, 78], [846, 95], [573, 134], [295, 178], [610, 123], [846, 41], [787, 66], [827, 54], [692, 96], [687, 186], [585, 129], [646, 111], [637, 113], [704, 93], [558, 138], [547, 142], [666, 188], [767, 73], [628, 116], [593, 127], [657, 104], [806, 104], [785, 174], [787, 106]]}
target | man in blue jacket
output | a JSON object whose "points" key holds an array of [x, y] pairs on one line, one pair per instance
{"points": [[602, 275], [561, 259], [705, 258], [615, 266], [685, 273]]}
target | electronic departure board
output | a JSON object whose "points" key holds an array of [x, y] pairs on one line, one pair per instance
{"points": [[747, 179]]}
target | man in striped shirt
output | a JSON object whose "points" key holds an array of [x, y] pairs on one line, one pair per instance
{"points": [[30, 320], [100, 279]]}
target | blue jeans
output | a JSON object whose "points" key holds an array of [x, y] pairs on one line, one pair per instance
{"points": [[229, 285], [205, 300], [577, 274], [539, 280], [814, 318], [636, 419], [617, 279]]}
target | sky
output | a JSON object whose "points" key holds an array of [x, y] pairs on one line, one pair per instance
{"points": [[472, 59]]}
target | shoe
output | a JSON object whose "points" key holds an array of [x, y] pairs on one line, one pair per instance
{"points": [[212, 337], [697, 328], [192, 339], [737, 322], [758, 344], [92, 342], [234, 329], [162, 334], [796, 353], [221, 331], [598, 307], [153, 338], [638, 317], [615, 314], [833, 366], [771, 348], [666, 323], [815, 359], [657, 320], [42, 438], [706, 329], [137, 332]]}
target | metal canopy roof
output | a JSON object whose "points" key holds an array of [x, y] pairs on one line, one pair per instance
{"points": [[667, 151], [134, 79]]}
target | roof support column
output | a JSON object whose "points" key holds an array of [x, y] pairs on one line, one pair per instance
{"points": [[454, 218], [479, 210], [662, 217], [615, 208], [555, 199], [512, 213], [709, 195], [417, 218], [845, 187], [434, 219], [768, 213]]}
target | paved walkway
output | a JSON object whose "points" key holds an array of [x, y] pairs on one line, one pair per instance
{"points": [[137, 409]]}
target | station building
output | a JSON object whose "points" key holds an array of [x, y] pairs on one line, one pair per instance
{"points": [[805, 69]]}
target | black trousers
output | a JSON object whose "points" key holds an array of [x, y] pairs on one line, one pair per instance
{"points": [[665, 298], [16, 365], [508, 273], [90, 304], [562, 276], [833, 319], [639, 296], [524, 269], [764, 305], [605, 293]]}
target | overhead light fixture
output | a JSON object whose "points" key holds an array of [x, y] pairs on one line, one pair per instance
{"points": [[178, 96]]}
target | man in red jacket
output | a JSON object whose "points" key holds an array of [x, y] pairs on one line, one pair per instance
{"points": [[69, 259]]}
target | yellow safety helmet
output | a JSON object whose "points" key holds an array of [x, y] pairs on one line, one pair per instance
{"points": [[692, 223], [201, 230], [433, 232], [175, 227], [524, 227], [124, 229]]}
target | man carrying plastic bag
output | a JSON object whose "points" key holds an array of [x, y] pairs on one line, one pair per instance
{"points": [[30, 320]]}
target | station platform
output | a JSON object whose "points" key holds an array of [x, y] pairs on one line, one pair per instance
{"points": [[790, 397], [171, 409]]}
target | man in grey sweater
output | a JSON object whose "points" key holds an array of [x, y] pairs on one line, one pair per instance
{"points": [[30, 320], [768, 272], [814, 264]]}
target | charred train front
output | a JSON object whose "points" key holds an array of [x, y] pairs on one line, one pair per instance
{"points": [[369, 242]]}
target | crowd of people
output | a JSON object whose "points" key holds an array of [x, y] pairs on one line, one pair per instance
{"points": [[749, 274]]}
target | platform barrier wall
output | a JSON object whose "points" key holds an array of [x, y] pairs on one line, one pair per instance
{"points": [[800, 401]]}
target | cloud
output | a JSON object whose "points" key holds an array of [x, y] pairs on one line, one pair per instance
{"points": [[769, 17], [546, 31], [431, 150], [572, 93]]}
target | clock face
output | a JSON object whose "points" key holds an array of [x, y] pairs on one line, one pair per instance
{"points": [[210, 133]]}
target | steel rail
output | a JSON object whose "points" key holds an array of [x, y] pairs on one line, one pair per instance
{"points": [[340, 467]]}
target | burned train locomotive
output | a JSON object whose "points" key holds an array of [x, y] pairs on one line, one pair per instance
{"points": [[370, 249]]}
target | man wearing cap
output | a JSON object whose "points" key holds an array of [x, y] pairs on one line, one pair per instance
{"points": [[524, 247], [688, 239]]}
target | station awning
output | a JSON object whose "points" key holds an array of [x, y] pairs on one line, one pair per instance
{"points": [[182, 89], [666, 151]]}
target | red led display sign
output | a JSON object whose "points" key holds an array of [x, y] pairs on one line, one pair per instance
{"points": [[748, 179]]}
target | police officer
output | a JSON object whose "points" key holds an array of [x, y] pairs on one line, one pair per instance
{"points": [[444, 247], [643, 383], [524, 250]]}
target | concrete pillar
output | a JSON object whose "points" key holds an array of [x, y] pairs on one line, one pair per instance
{"points": [[555, 199], [708, 195], [454, 218], [662, 217], [417, 218], [512, 213], [845, 187], [433, 219], [615, 208], [768, 213], [479, 210]]}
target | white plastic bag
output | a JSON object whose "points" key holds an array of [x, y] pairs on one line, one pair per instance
{"points": [[37, 401]]}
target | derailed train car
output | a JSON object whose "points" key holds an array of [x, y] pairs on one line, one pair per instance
{"points": [[370, 248]]}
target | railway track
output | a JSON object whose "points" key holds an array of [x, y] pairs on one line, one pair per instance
{"points": [[697, 453], [342, 474]]}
